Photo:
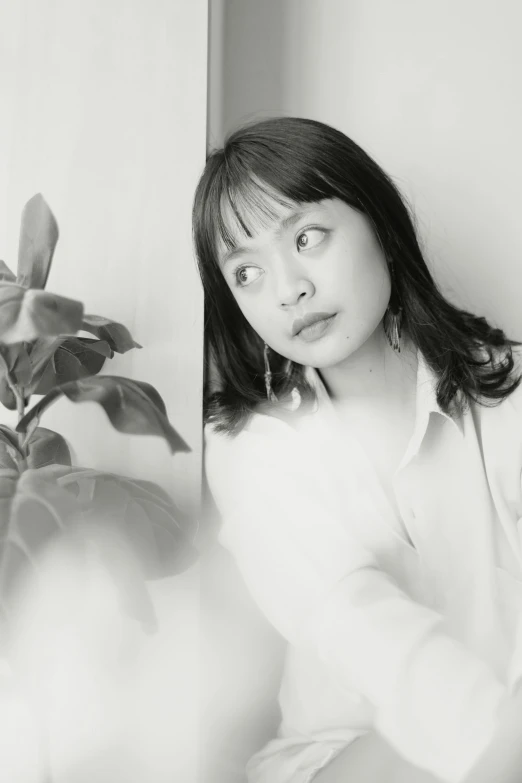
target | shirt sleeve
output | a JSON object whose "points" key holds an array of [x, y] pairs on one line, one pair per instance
{"points": [[296, 760], [434, 701]]}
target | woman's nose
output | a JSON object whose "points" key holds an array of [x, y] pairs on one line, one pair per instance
{"points": [[292, 287]]}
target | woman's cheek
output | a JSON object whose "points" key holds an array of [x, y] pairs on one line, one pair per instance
{"points": [[252, 312]]}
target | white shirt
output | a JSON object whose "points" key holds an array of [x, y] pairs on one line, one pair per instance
{"points": [[408, 624]]}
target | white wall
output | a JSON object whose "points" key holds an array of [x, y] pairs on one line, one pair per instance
{"points": [[99, 115], [103, 110], [432, 91]]}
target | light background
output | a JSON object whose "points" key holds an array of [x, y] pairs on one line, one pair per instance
{"points": [[103, 110]]}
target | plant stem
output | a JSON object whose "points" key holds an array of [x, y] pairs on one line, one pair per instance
{"points": [[18, 394], [30, 429], [20, 405]]}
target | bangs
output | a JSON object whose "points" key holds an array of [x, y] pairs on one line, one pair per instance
{"points": [[245, 207], [249, 190]]}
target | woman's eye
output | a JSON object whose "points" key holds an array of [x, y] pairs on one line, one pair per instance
{"points": [[246, 275], [310, 238]]}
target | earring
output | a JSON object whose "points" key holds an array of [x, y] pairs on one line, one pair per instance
{"points": [[268, 378], [393, 316], [392, 327]]}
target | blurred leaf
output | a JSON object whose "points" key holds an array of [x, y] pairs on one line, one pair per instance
{"points": [[157, 531], [33, 508], [7, 397], [40, 353], [133, 407], [20, 363], [42, 349], [14, 366], [28, 314], [65, 360], [10, 452], [117, 335], [38, 506], [38, 238], [99, 346], [46, 447], [5, 273], [17, 362], [9, 436]]}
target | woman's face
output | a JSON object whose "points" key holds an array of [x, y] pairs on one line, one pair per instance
{"points": [[313, 284]]}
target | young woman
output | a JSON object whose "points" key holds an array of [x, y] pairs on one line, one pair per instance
{"points": [[364, 449]]}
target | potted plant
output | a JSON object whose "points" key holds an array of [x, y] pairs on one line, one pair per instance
{"points": [[49, 347]]}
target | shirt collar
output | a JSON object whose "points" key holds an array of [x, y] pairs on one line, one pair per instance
{"points": [[426, 398], [427, 393]]}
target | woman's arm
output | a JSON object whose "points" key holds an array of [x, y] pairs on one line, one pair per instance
{"points": [[434, 701], [370, 759]]}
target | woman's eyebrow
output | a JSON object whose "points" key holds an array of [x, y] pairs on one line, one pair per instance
{"points": [[288, 221], [231, 254], [283, 225]]}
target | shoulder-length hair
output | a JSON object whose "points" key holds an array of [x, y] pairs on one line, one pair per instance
{"points": [[297, 161]]}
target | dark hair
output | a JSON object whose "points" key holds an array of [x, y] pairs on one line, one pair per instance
{"points": [[293, 160]]}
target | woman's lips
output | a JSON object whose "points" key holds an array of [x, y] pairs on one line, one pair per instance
{"points": [[313, 326]]}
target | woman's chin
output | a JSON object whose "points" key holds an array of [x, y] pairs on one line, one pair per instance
{"points": [[323, 356]]}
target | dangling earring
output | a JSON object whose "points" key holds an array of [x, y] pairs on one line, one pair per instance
{"points": [[392, 322], [392, 327], [268, 378]]}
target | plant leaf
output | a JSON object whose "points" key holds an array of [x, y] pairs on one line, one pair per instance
{"points": [[7, 397], [133, 407], [68, 360], [159, 533], [15, 368], [28, 314], [16, 358], [117, 335], [21, 364], [9, 436], [41, 352], [6, 275], [46, 447], [38, 238], [79, 505], [10, 452], [32, 510]]}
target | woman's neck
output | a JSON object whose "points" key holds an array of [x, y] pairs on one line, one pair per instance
{"points": [[375, 373]]}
